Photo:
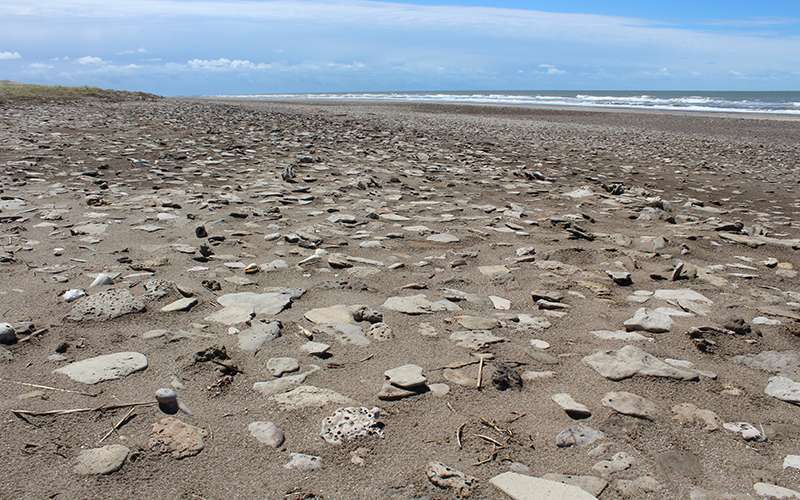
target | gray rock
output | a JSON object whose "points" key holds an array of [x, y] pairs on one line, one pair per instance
{"points": [[649, 321], [630, 360], [303, 462], [261, 332], [783, 388], [687, 413], [786, 362], [524, 487], [106, 305], [267, 433], [766, 490], [104, 460], [477, 322], [578, 436], [570, 406], [183, 304], [284, 383], [308, 396], [475, 339], [105, 367], [418, 304], [405, 376], [338, 314], [8, 335], [628, 403], [241, 307], [279, 366], [637, 488], [619, 462], [591, 484]]}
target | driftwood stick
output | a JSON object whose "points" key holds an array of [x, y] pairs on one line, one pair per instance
{"points": [[117, 425], [37, 386], [81, 410], [480, 374]]}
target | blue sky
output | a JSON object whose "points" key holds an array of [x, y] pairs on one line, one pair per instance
{"points": [[190, 47]]}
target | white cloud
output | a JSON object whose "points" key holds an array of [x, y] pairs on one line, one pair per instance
{"points": [[551, 70], [89, 60], [224, 64], [8, 56], [40, 66]]}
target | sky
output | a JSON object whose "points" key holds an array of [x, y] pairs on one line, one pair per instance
{"points": [[212, 47]]}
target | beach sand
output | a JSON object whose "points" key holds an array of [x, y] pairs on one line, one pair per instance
{"points": [[485, 208]]}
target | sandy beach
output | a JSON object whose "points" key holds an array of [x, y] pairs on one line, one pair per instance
{"points": [[396, 301]]}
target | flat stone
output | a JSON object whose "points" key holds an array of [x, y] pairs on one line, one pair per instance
{"points": [[791, 462], [500, 303], [766, 490], [267, 433], [570, 406], [619, 462], [284, 383], [628, 403], [522, 487], [303, 462], [783, 388], [620, 335], [786, 362], [493, 271], [183, 304], [443, 238], [351, 423], [315, 348], [179, 439], [590, 484], [578, 436], [106, 367], [243, 306], [105, 306], [308, 396], [279, 366], [418, 304], [261, 332], [475, 339], [104, 460], [338, 314], [405, 376], [630, 360], [477, 322], [649, 321]]}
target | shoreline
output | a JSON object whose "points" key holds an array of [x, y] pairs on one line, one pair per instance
{"points": [[762, 115]]}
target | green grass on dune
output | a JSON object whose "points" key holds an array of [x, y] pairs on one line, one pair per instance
{"points": [[15, 91]]}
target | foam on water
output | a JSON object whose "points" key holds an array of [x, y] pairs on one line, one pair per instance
{"points": [[731, 102]]}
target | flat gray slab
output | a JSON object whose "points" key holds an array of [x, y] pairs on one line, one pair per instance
{"points": [[105, 367]]}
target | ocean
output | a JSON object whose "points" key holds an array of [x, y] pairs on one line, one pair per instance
{"points": [[727, 101]]}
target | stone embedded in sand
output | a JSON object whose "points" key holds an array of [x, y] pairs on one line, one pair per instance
{"points": [[303, 462], [637, 488], [106, 305], [786, 362], [500, 303], [621, 278], [267, 433], [284, 383], [418, 304], [104, 460], [444, 476], [179, 439], [315, 348], [405, 376], [345, 333], [477, 322], [475, 339], [279, 366], [493, 271], [783, 388], [630, 360], [630, 404], [620, 335], [261, 332], [523, 487], [580, 435], [570, 406], [619, 462], [649, 321], [687, 413], [93, 229], [338, 314], [379, 331], [308, 396], [106, 367], [351, 423], [241, 307], [748, 431], [443, 238], [591, 484], [767, 490], [183, 304]]}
